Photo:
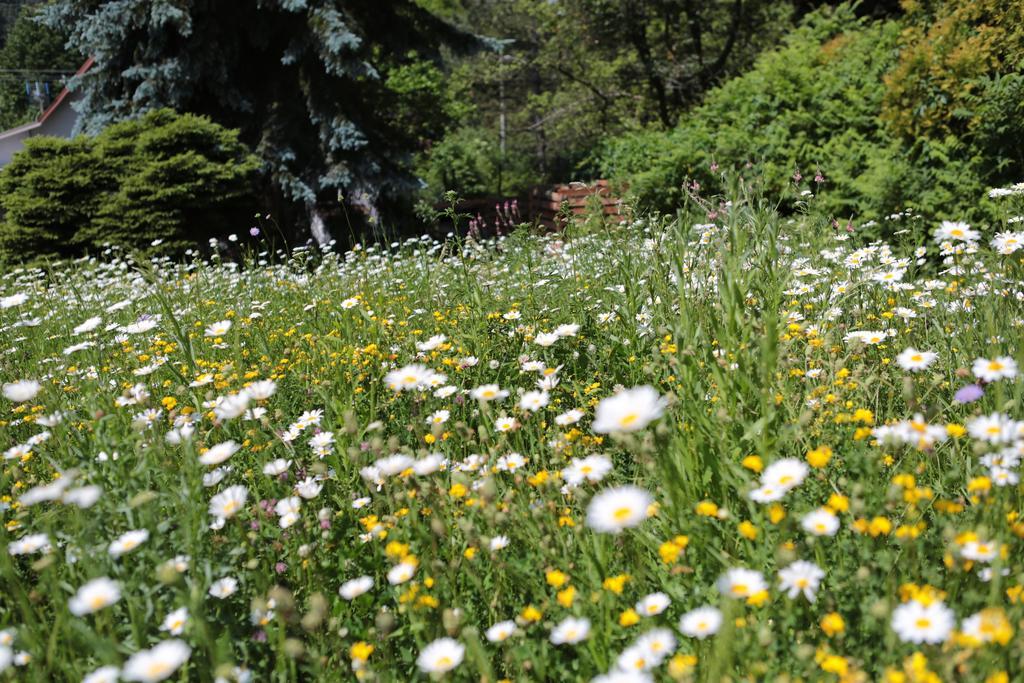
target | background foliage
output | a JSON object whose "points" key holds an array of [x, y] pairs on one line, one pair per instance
{"points": [[30, 53], [357, 113], [919, 112], [569, 74]]}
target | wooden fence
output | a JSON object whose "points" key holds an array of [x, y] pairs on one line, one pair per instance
{"points": [[543, 205]]}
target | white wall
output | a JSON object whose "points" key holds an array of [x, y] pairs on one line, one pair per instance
{"points": [[62, 121], [59, 124], [10, 145]]}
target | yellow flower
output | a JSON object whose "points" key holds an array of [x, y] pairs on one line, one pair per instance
{"points": [[879, 526], [747, 530], [910, 531], [965, 537], [680, 665], [669, 552], [469, 553], [565, 597], [948, 507], [863, 415], [615, 584], [753, 463], [629, 617], [832, 623], [838, 502], [758, 598], [835, 664], [819, 457], [979, 485], [395, 549], [457, 491], [531, 614], [925, 594], [905, 481], [556, 578], [995, 627], [776, 513], [169, 403], [427, 601], [707, 508], [360, 651], [538, 478], [955, 430]]}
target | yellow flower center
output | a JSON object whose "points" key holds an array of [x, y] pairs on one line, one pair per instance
{"points": [[622, 514], [157, 669]]}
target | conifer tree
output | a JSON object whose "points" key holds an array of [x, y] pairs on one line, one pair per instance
{"points": [[314, 86]]}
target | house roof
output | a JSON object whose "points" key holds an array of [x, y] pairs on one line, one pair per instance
{"points": [[49, 111]]}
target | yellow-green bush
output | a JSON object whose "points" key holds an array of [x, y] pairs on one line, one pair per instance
{"points": [[949, 49]]}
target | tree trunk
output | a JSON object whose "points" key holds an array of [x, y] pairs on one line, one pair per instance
{"points": [[317, 226]]}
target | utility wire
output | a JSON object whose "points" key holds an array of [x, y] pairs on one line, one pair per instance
{"points": [[59, 72]]}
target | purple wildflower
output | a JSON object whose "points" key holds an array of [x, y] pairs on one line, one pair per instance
{"points": [[968, 393]]}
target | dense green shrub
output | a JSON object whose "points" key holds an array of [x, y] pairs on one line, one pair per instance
{"points": [[822, 102], [465, 161], [177, 178], [810, 105], [48, 192]]}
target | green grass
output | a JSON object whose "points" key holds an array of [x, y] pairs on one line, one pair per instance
{"points": [[740, 325]]}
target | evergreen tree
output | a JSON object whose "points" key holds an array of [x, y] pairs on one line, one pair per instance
{"points": [[49, 190], [309, 83]]}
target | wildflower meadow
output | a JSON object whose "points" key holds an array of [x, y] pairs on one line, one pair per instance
{"points": [[723, 444]]}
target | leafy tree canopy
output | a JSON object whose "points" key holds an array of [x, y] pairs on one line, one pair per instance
{"points": [[32, 53], [573, 73]]}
